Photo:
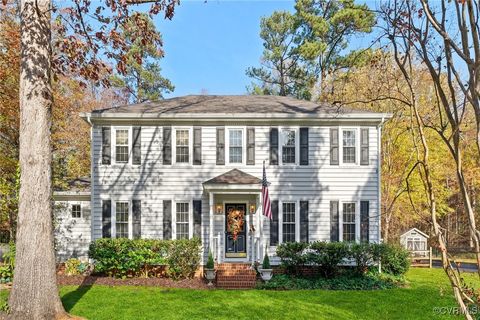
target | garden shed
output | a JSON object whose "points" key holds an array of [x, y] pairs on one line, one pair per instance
{"points": [[415, 241]]}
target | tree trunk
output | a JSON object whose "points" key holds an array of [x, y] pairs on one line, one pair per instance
{"points": [[35, 293]]}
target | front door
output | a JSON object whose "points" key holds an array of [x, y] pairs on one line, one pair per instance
{"points": [[235, 230]]}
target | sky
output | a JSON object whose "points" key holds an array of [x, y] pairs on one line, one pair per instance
{"points": [[209, 45]]}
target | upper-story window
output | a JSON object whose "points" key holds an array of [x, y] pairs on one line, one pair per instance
{"points": [[182, 145], [349, 145], [349, 224], [235, 139], [76, 211], [121, 145], [288, 145]]}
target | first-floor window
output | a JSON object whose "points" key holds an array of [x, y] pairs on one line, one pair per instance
{"points": [[288, 228], [76, 211], [349, 221], [182, 220], [121, 215]]}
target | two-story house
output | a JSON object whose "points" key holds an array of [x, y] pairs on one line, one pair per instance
{"points": [[179, 167]]}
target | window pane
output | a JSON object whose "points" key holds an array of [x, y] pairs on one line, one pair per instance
{"points": [[182, 143], [121, 145], [76, 211], [288, 225], [349, 146], [236, 144], [349, 221], [182, 220], [288, 146], [121, 213]]}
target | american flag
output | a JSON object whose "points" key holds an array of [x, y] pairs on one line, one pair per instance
{"points": [[267, 208]]}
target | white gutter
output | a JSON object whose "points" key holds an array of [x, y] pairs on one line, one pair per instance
{"points": [[92, 180]]}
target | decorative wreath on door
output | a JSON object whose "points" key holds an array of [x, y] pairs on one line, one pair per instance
{"points": [[235, 222]]}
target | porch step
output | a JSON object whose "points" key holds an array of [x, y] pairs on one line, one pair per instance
{"points": [[236, 276]]}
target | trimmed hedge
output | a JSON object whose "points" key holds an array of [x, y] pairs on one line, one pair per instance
{"points": [[126, 257], [326, 256]]}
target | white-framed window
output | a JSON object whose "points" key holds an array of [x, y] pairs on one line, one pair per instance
{"points": [[289, 137], [122, 213], [349, 221], [76, 211], [288, 222], [235, 145], [416, 244], [235, 139], [182, 145], [122, 145], [349, 146], [182, 220]]}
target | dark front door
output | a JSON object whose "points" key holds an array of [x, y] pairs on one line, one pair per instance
{"points": [[235, 230]]}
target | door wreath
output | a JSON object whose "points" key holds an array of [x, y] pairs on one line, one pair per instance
{"points": [[235, 222]]}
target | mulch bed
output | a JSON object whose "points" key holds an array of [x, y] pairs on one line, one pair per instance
{"points": [[195, 283]]}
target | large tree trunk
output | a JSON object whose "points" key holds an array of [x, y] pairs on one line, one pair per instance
{"points": [[35, 293]]}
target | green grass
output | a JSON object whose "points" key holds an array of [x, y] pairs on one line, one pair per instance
{"points": [[428, 288]]}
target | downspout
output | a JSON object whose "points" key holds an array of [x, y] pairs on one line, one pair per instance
{"points": [[91, 178], [379, 177]]}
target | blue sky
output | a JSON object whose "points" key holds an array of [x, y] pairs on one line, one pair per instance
{"points": [[209, 45]]}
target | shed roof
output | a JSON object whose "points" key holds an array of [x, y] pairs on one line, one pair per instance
{"points": [[418, 231]]}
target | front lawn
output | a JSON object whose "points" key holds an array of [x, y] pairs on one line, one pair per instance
{"points": [[428, 289]]}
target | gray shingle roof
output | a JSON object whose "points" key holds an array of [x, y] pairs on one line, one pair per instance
{"points": [[234, 176], [228, 104]]}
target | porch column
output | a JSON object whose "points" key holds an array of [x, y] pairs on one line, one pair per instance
{"points": [[211, 213]]}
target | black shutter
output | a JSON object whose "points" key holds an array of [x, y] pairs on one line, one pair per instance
{"points": [[197, 145], [304, 146], [273, 146], [334, 155], [167, 219], [137, 145], [167, 145], [106, 145], [250, 146], [303, 221], [221, 146], [197, 218], [137, 219], [274, 224], [107, 218], [334, 227], [364, 220], [364, 152]]}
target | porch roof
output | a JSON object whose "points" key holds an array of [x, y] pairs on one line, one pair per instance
{"points": [[234, 177]]}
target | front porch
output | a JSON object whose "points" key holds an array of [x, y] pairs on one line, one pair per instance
{"points": [[236, 223]]}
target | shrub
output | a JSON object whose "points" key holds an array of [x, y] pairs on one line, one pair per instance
{"points": [[292, 256], [394, 259], [125, 257], [364, 254], [72, 267], [327, 256], [183, 258], [266, 261], [210, 262], [7, 268]]}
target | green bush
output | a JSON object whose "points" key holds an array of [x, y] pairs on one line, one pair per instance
{"points": [[8, 265], [210, 263], [125, 257], [394, 259], [327, 255], [364, 255], [72, 267], [266, 261], [370, 281], [183, 258], [292, 256]]}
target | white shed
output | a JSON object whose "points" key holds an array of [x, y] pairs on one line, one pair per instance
{"points": [[415, 241]]}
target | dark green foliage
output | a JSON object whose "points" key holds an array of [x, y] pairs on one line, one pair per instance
{"points": [[125, 257], [394, 259], [364, 255], [327, 255], [370, 281], [266, 261], [183, 258], [210, 262], [292, 255], [7, 268]]}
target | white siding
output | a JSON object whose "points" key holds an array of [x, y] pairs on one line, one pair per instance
{"points": [[72, 235], [152, 182]]}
